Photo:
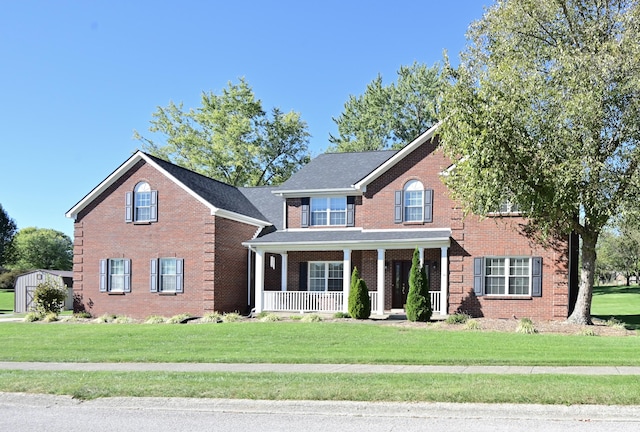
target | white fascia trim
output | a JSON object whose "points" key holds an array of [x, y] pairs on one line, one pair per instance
{"points": [[141, 156], [431, 243], [331, 228], [316, 192], [104, 185], [397, 157], [408, 230]]}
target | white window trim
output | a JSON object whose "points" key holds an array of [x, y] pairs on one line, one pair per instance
{"points": [[413, 186], [327, 210], [507, 264], [141, 188], [160, 276], [111, 275], [326, 274]]}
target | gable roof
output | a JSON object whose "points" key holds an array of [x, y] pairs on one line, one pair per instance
{"points": [[336, 172], [222, 199], [270, 205]]}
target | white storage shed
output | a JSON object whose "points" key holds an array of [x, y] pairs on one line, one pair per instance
{"points": [[26, 284]]}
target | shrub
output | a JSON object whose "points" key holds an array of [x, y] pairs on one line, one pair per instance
{"points": [[526, 326], [50, 317], [49, 297], [211, 317], [8, 279], [231, 317], [615, 323], [588, 331], [473, 324], [178, 319], [83, 314], [341, 315], [122, 319], [296, 317], [31, 317], [311, 318], [105, 318], [418, 300], [361, 306], [155, 319], [458, 318]]}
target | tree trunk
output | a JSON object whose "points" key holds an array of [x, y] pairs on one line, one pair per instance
{"points": [[582, 311]]}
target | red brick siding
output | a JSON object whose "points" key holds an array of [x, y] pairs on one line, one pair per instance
{"points": [[185, 229]]}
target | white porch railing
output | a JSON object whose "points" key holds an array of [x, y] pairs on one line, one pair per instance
{"points": [[310, 301]]}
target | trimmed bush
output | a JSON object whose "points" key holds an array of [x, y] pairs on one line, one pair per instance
{"points": [[361, 306], [351, 301], [49, 297], [418, 306], [458, 318]]}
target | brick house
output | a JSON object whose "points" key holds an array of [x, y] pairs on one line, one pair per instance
{"points": [[154, 238]]}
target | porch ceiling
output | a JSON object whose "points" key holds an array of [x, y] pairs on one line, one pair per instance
{"points": [[323, 239]]}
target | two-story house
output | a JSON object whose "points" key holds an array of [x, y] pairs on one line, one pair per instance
{"points": [[154, 238]]}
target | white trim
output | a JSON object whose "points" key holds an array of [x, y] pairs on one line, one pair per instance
{"points": [[411, 243], [380, 281], [393, 160], [304, 193], [128, 164], [507, 265]]}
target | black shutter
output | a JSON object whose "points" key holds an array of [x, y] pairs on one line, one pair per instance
{"points": [[103, 275], [304, 217], [153, 277], [478, 276], [536, 276], [128, 207], [127, 275], [397, 218], [351, 210], [153, 208], [428, 205], [179, 275], [304, 268]]}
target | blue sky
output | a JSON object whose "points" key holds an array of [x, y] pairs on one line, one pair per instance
{"points": [[78, 77]]}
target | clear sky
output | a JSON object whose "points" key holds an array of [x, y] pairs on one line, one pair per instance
{"points": [[78, 77]]}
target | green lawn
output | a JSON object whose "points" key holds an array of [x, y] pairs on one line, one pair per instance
{"points": [[6, 301], [296, 342], [619, 302]]}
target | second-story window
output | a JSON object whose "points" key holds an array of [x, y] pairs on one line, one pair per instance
{"points": [[141, 204], [413, 201], [329, 211]]}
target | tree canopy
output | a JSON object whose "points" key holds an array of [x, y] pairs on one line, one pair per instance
{"points": [[544, 110], [42, 248], [231, 138], [7, 232], [389, 116]]}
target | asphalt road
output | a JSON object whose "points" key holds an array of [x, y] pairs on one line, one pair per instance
{"points": [[21, 412]]}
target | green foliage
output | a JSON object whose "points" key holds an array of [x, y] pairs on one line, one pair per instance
{"points": [[341, 315], [32, 317], [418, 306], [41, 248], [8, 279], [231, 317], [361, 306], [155, 319], [458, 318], [231, 138], [178, 319], [82, 315], [212, 317], [588, 331], [543, 111], [49, 297], [389, 116], [473, 324], [272, 317], [7, 232], [311, 318]]}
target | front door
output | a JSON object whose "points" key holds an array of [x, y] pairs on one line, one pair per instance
{"points": [[400, 285]]}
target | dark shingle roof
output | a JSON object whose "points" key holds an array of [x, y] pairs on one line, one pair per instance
{"points": [[266, 202], [218, 194], [336, 170]]}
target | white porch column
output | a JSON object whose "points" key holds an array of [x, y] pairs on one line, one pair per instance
{"points": [[346, 279], [444, 280], [421, 252], [380, 286], [283, 272], [259, 280]]}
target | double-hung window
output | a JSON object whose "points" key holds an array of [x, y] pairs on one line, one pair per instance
{"points": [[329, 211], [413, 203], [115, 275], [508, 276], [167, 275], [325, 276], [141, 205]]}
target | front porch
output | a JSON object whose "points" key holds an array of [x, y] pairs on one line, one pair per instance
{"points": [[385, 268], [326, 302]]}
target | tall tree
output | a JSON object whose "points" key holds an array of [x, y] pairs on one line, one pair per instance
{"points": [[231, 138], [618, 248], [389, 116], [7, 231], [42, 248], [543, 110]]}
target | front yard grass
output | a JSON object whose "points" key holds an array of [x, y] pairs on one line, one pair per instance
{"points": [[531, 389], [296, 342], [6, 301], [619, 302]]}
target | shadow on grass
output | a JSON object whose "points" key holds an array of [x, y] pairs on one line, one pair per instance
{"points": [[616, 289], [631, 322]]}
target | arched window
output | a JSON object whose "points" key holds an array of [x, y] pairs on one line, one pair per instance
{"points": [[413, 201], [142, 204]]}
